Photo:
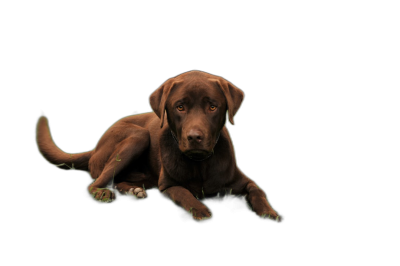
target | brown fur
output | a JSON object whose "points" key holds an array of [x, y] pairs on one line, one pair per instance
{"points": [[183, 148]]}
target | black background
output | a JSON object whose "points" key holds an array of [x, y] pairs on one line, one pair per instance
{"points": [[84, 81]]}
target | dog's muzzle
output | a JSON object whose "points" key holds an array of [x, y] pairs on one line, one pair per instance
{"points": [[197, 154]]}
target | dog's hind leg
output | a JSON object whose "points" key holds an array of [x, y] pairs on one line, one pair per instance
{"points": [[137, 188], [126, 151]]}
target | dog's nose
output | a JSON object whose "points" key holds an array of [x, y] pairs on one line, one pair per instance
{"points": [[195, 136]]}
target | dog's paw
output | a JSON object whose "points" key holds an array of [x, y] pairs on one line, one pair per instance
{"points": [[139, 192], [271, 215], [263, 210], [200, 213], [102, 194]]}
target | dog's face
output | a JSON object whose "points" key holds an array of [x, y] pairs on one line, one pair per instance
{"points": [[196, 105], [196, 114]]}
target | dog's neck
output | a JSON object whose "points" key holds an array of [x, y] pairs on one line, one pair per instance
{"points": [[177, 142]]}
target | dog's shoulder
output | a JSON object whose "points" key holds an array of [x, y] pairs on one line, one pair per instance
{"points": [[143, 120], [147, 123]]}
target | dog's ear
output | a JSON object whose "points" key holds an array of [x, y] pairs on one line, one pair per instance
{"points": [[159, 98], [234, 96]]}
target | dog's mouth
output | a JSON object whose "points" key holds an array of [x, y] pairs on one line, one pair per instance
{"points": [[198, 155]]}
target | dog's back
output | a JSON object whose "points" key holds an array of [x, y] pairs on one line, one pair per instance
{"points": [[80, 161]]}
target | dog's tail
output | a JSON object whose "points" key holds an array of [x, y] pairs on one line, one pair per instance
{"points": [[53, 154]]}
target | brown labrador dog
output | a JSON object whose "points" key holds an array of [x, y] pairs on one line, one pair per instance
{"points": [[183, 148]]}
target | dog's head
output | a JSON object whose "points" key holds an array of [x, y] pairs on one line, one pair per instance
{"points": [[196, 104]]}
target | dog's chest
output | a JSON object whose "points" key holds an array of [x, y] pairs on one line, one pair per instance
{"points": [[202, 181]]}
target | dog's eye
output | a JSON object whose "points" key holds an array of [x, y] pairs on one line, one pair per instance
{"points": [[213, 107], [180, 108]]}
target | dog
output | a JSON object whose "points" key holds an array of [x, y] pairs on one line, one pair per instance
{"points": [[183, 148]]}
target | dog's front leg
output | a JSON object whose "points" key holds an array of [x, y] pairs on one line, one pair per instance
{"points": [[258, 201], [184, 198]]}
